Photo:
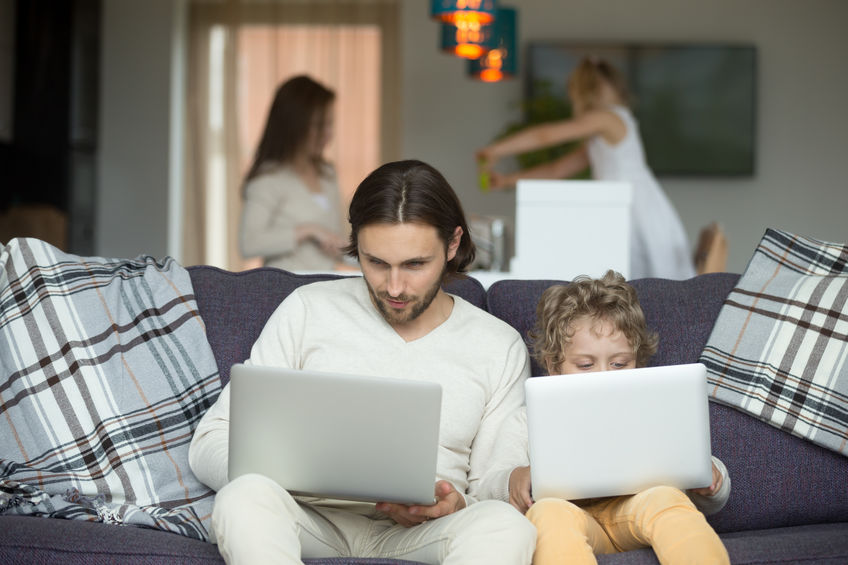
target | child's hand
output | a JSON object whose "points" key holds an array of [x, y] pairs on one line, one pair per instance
{"points": [[705, 491], [519, 489], [498, 181], [484, 156]]}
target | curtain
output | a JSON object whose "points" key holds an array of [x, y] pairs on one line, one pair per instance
{"points": [[239, 52]]}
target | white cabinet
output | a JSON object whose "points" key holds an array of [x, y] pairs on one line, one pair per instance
{"points": [[569, 228]]}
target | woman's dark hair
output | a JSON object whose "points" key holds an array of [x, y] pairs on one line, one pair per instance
{"points": [[411, 192], [297, 103]]}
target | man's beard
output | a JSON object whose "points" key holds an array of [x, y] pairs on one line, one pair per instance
{"points": [[413, 310]]}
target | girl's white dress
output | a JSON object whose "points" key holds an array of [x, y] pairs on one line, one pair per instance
{"points": [[658, 242]]}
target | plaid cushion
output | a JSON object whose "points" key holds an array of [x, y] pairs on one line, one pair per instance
{"points": [[779, 348], [104, 372]]}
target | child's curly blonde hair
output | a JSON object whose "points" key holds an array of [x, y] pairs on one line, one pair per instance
{"points": [[608, 298]]}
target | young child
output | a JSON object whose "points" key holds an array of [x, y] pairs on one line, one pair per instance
{"points": [[598, 325], [609, 143]]}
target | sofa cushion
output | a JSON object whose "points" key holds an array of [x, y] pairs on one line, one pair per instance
{"points": [[514, 302], [235, 306], [35, 541], [779, 480], [823, 544], [682, 313], [469, 288], [779, 349]]}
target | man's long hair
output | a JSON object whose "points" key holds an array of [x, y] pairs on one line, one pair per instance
{"points": [[411, 192]]}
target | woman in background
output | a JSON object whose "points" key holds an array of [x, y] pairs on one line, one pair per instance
{"points": [[612, 147], [291, 196]]}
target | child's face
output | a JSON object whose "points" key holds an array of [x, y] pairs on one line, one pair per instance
{"points": [[596, 346]]}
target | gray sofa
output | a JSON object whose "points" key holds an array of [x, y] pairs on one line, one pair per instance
{"points": [[790, 497]]}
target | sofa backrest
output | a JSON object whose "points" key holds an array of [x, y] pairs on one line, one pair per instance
{"points": [[235, 306], [681, 312]]}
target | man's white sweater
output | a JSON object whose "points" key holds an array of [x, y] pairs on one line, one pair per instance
{"points": [[480, 361]]}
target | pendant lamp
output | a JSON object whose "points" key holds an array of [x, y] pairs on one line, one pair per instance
{"points": [[466, 39], [482, 11], [500, 62]]}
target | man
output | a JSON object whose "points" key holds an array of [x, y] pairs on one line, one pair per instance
{"points": [[409, 233]]}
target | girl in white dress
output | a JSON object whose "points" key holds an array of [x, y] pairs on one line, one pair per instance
{"points": [[612, 147]]}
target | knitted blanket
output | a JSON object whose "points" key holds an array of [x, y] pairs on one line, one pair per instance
{"points": [[104, 372]]}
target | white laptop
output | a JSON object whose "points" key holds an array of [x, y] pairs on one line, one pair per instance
{"points": [[335, 435], [618, 432]]}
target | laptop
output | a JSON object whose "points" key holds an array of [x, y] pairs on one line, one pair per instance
{"points": [[618, 432], [335, 435]]}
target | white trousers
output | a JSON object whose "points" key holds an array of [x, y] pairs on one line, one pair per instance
{"points": [[257, 522]]}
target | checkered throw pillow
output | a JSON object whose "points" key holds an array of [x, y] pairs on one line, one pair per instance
{"points": [[779, 348]]}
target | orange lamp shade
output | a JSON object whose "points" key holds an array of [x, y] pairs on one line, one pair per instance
{"points": [[469, 40], [491, 75], [452, 11], [501, 62]]}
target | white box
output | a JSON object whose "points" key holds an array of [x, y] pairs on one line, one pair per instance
{"points": [[568, 228]]}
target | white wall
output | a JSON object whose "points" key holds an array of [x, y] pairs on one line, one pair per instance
{"points": [[800, 184], [136, 152], [800, 181]]}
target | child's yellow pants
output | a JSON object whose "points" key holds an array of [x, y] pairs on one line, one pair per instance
{"points": [[661, 517]]}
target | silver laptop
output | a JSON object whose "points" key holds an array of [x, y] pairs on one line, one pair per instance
{"points": [[618, 432], [335, 435]]}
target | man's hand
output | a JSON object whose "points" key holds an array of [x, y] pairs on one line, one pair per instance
{"points": [[713, 488], [448, 501], [519, 489]]}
